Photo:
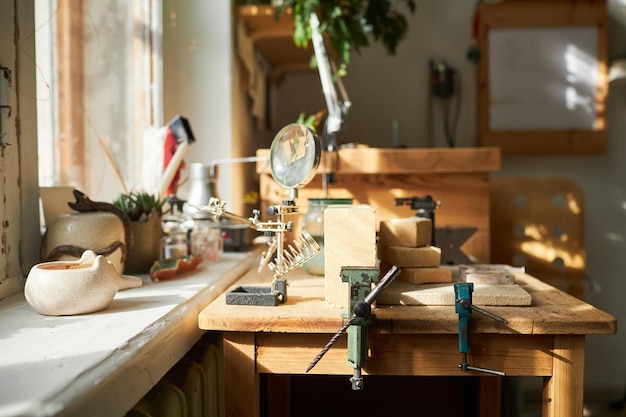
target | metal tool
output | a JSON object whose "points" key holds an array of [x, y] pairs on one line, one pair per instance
{"points": [[294, 158], [337, 102], [286, 259], [463, 307], [361, 298]]}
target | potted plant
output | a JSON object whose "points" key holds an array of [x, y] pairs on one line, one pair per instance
{"points": [[350, 24], [145, 211]]}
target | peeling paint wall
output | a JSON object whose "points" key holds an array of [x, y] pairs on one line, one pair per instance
{"points": [[19, 196]]}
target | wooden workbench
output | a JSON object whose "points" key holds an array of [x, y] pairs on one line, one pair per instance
{"points": [[546, 339]]}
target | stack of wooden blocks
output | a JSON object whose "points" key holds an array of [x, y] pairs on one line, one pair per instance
{"points": [[350, 240], [405, 242]]}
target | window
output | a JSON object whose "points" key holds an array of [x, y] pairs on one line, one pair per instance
{"points": [[99, 87]]}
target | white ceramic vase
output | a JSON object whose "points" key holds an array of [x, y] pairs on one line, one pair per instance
{"points": [[100, 231], [75, 287]]}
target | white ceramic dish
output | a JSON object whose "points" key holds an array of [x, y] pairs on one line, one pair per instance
{"points": [[75, 287]]}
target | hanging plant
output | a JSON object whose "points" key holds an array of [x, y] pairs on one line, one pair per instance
{"points": [[350, 24]]}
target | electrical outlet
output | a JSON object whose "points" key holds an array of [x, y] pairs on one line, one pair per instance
{"points": [[5, 104]]}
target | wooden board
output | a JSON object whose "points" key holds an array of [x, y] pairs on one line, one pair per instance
{"points": [[404, 293]]}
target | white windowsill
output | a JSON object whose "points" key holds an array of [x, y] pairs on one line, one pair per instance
{"points": [[101, 364]]}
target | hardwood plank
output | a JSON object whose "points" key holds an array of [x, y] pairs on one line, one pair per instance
{"points": [[552, 312], [241, 382], [563, 392], [407, 354], [408, 161]]}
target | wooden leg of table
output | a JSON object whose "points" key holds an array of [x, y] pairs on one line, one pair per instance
{"points": [[490, 389], [241, 382], [563, 392]]}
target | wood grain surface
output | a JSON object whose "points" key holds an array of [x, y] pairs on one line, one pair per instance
{"points": [[552, 312]]}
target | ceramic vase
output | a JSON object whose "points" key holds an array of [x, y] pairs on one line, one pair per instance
{"points": [[146, 247], [70, 235]]}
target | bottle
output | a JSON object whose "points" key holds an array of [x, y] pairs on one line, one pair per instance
{"points": [[313, 222]]}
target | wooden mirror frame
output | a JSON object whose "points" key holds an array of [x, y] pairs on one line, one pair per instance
{"points": [[542, 14]]}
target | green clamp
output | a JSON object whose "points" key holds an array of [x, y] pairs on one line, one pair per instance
{"points": [[360, 280], [361, 298]]}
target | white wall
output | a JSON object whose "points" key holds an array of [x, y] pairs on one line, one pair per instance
{"points": [[197, 77], [384, 88]]}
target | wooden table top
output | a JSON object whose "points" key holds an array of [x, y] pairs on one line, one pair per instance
{"points": [[552, 312]]}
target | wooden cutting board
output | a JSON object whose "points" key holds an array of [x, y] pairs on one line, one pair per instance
{"points": [[404, 293]]}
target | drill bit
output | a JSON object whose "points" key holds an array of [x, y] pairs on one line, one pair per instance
{"points": [[331, 342], [361, 309]]}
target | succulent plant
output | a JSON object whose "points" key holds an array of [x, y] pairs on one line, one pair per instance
{"points": [[139, 205]]}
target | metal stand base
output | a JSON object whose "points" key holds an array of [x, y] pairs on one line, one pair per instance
{"points": [[259, 296]]}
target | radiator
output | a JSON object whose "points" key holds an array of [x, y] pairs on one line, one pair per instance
{"points": [[192, 388]]}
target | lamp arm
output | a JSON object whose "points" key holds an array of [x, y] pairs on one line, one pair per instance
{"points": [[336, 110]]}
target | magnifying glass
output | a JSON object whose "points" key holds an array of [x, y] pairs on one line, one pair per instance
{"points": [[294, 156]]}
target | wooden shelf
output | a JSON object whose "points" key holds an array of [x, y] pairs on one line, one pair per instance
{"points": [[273, 38], [391, 161], [458, 177]]}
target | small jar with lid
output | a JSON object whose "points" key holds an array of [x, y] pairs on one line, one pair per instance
{"points": [[174, 245], [313, 222]]}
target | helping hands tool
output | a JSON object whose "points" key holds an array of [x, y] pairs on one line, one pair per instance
{"points": [[294, 157], [464, 307], [361, 299]]}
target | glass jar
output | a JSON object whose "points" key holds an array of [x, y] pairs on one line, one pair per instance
{"points": [[174, 245], [313, 222], [206, 240]]}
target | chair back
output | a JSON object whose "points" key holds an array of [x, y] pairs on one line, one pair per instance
{"points": [[538, 223]]}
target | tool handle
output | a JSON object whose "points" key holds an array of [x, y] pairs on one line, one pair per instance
{"points": [[489, 314], [384, 283]]}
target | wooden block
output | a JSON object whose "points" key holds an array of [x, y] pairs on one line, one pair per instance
{"points": [[424, 257], [403, 293], [420, 275], [349, 240], [487, 274], [411, 232]]}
